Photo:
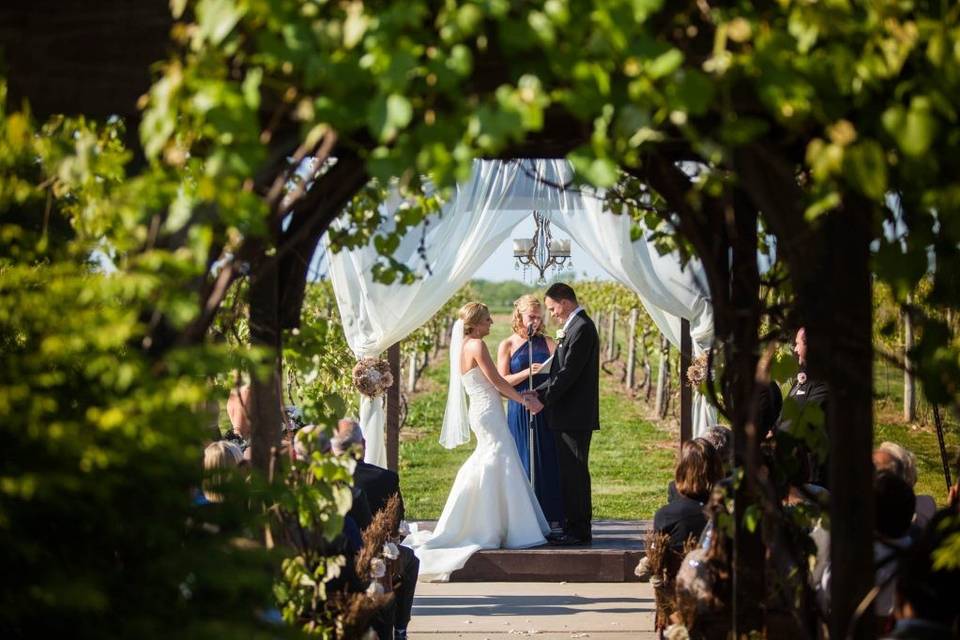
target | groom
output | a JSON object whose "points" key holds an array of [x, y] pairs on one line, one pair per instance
{"points": [[571, 397]]}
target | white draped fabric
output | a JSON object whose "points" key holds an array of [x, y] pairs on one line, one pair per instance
{"points": [[475, 221]]}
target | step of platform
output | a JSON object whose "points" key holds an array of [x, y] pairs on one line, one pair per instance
{"points": [[616, 549]]}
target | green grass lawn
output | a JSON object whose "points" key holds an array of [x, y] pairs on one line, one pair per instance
{"points": [[631, 459], [919, 437]]}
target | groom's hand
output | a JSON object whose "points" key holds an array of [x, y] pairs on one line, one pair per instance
{"points": [[534, 406]]}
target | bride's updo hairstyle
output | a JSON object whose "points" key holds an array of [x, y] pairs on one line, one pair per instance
{"points": [[472, 314], [523, 304]]}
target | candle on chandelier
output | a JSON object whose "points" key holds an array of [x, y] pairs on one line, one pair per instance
{"points": [[522, 246], [560, 247]]}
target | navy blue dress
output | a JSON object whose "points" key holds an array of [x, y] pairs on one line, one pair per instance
{"points": [[547, 480]]}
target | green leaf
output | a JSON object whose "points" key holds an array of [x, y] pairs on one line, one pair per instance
{"points": [[388, 115], [915, 129], [251, 88], [665, 64], [355, 25], [865, 168], [600, 172], [751, 517], [177, 8], [692, 92], [217, 18]]}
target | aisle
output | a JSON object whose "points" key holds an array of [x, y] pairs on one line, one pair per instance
{"points": [[480, 610]]}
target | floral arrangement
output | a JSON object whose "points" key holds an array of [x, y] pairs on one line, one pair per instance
{"points": [[698, 370], [372, 377]]}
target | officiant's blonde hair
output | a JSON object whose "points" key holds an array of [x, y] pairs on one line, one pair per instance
{"points": [[472, 314], [523, 304]]}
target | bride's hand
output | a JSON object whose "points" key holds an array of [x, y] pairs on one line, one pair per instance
{"points": [[532, 404]]}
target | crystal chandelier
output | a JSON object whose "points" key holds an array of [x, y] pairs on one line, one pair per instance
{"points": [[541, 252]]}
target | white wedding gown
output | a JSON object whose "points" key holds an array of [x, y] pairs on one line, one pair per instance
{"points": [[491, 504]]}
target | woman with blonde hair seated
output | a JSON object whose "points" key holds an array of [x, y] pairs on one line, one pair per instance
{"points": [[219, 458], [513, 363]]}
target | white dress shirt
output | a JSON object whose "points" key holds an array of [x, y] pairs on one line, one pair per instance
{"points": [[569, 319]]}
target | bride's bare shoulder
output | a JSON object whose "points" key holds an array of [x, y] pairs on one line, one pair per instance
{"points": [[473, 345]]}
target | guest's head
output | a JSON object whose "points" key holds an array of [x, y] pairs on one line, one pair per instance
{"points": [[698, 469], [309, 439], [800, 346], [527, 311], [348, 439], [476, 319], [721, 438], [890, 456], [928, 592], [560, 301], [238, 408], [218, 458], [894, 503]]}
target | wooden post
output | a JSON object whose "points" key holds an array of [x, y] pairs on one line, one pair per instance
{"points": [[909, 385], [663, 379], [632, 350], [686, 391], [842, 353], [412, 364], [393, 409], [612, 338]]}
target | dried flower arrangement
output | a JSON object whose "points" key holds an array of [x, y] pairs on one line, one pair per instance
{"points": [[372, 376]]}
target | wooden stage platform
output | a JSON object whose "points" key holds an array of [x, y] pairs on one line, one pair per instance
{"points": [[617, 548]]}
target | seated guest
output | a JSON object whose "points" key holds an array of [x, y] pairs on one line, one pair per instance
{"points": [[721, 438], [217, 457], [892, 457], [698, 469], [310, 438], [379, 485], [894, 504], [926, 600], [238, 409]]}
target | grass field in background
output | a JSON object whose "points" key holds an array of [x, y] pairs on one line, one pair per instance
{"points": [[631, 459], [919, 437]]}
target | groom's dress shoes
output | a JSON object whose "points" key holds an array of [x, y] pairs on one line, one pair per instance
{"points": [[567, 540]]}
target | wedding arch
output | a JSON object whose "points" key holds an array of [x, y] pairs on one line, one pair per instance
{"points": [[471, 225]]}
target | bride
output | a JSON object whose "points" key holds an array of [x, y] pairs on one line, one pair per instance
{"points": [[491, 504]]}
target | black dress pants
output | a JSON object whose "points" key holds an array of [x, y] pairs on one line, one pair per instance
{"points": [[573, 459]]}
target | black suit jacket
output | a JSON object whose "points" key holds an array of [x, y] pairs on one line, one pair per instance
{"points": [[360, 509], [680, 518], [571, 395], [810, 391], [378, 484]]}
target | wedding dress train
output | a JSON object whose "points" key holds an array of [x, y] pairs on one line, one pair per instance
{"points": [[491, 504]]}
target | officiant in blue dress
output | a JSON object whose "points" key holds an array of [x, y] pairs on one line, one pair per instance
{"points": [[513, 363]]}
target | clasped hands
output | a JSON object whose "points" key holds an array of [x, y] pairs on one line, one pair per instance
{"points": [[532, 402]]}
